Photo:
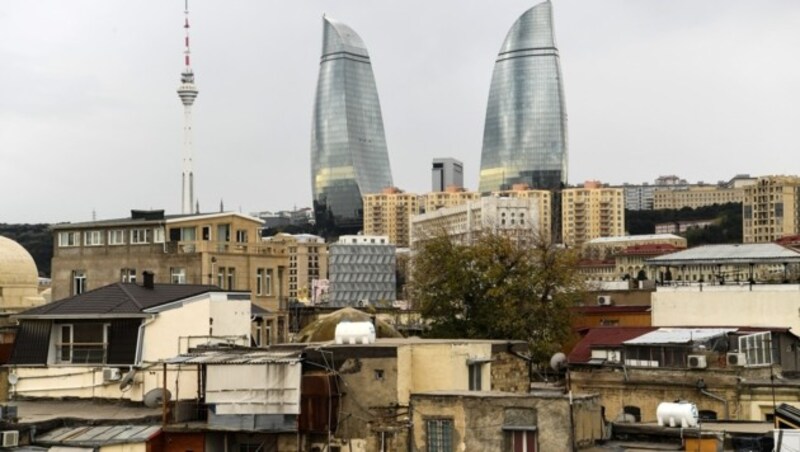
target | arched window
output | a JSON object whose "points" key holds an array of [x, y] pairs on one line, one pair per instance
{"points": [[708, 415], [634, 411]]}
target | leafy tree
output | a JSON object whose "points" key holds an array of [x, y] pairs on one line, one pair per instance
{"points": [[499, 287]]}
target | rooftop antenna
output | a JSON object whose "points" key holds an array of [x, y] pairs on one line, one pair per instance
{"points": [[187, 91]]}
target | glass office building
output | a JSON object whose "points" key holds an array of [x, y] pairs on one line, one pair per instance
{"points": [[525, 134], [348, 147]]}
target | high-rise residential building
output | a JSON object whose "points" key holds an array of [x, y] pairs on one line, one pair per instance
{"points": [[349, 158], [519, 218], [446, 172], [525, 133], [389, 213], [362, 271], [308, 262], [771, 209], [451, 196], [639, 197], [590, 212]]}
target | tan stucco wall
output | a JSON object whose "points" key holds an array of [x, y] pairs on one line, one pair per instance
{"points": [[134, 447], [431, 367], [478, 420], [766, 305]]}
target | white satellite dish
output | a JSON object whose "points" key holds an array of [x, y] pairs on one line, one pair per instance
{"points": [[13, 379], [558, 361], [155, 397]]}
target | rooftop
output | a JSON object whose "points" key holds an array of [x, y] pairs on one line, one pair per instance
{"points": [[150, 218], [98, 435], [750, 253], [608, 337], [630, 238], [118, 298], [678, 335]]}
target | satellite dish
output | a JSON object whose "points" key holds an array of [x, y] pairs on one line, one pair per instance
{"points": [[13, 379], [127, 380], [558, 361], [155, 397]]}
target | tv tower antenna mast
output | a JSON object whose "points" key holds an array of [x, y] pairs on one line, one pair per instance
{"points": [[187, 91]]}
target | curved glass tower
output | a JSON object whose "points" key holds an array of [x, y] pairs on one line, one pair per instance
{"points": [[525, 134], [348, 147]]}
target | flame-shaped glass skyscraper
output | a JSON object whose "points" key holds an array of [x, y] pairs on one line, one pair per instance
{"points": [[348, 147], [525, 134]]}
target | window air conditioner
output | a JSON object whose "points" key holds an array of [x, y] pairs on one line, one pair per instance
{"points": [[604, 300], [9, 438], [697, 362], [112, 374], [736, 359]]}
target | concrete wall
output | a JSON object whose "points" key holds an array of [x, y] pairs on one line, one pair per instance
{"points": [[758, 305], [646, 388], [478, 419]]}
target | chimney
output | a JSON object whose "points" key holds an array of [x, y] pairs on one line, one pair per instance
{"points": [[148, 279]]}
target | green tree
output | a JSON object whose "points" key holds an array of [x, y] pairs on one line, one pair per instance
{"points": [[499, 287]]}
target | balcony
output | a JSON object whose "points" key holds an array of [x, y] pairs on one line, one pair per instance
{"points": [[206, 246]]}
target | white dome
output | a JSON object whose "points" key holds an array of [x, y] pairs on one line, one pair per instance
{"points": [[17, 267]]}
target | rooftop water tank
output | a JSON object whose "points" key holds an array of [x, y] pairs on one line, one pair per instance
{"points": [[355, 333], [683, 414]]}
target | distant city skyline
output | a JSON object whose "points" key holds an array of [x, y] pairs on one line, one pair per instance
{"points": [[89, 121]]}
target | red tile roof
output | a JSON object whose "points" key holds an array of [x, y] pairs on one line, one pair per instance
{"points": [[604, 336], [650, 249]]}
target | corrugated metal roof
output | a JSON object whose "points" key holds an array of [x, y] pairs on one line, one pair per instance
{"points": [[729, 254], [678, 335], [236, 357], [100, 435]]}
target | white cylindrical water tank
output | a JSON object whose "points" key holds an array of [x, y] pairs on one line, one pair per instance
{"points": [[677, 414], [355, 333]]}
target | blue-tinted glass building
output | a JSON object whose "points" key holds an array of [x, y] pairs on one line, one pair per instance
{"points": [[348, 147], [525, 134]]}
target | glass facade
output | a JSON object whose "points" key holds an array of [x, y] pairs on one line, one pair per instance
{"points": [[525, 134], [348, 147]]}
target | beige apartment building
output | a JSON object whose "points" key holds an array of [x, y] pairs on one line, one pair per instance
{"points": [[590, 212], [771, 209], [451, 196], [607, 247], [695, 196], [388, 213], [308, 262], [513, 216], [222, 249]]}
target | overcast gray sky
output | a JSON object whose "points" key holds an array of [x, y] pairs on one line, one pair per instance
{"points": [[90, 121]]}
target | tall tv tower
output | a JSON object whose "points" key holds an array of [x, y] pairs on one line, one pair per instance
{"points": [[187, 91]]}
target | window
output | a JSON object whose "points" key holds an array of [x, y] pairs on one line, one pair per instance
{"points": [[206, 233], [268, 282], [439, 434], [231, 278], [633, 411], [93, 238], [140, 236], [241, 235], [116, 237], [188, 234], [757, 348], [127, 275], [69, 239], [82, 343], [158, 235], [475, 376], [221, 277], [78, 282], [521, 440], [177, 275]]}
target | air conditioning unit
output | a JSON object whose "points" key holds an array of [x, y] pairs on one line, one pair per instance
{"points": [[604, 300], [697, 362], [9, 438], [736, 359], [112, 374]]}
